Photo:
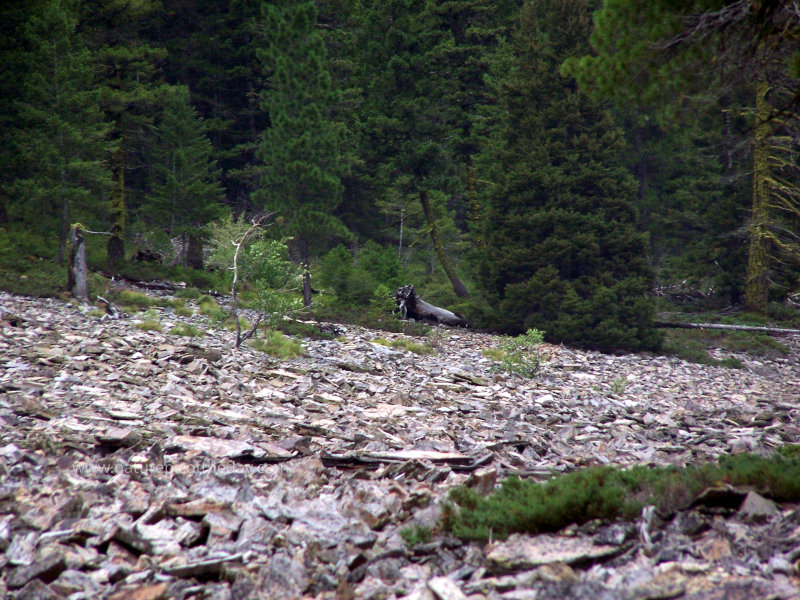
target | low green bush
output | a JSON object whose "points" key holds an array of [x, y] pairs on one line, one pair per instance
{"points": [[608, 493], [518, 355]]}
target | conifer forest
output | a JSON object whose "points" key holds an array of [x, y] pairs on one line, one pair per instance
{"points": [[543, 164]]}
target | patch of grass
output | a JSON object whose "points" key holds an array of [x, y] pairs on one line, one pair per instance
{"points": [[694, 345], [183, 311], [149, 325], [278, 345], [186, 330], [304, 330], [609, 493], [789, 451], [731, 362], [494, 353], [34, 277], [404, 344], [209, 307], [244, 324], [416, 534], [189, 293], [133, 301], [619, 385], [759, 344]]}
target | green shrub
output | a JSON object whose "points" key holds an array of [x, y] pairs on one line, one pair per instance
{"points": [[131, 300], [189, 293], [518, 355], [278, 345], [356, 281], [209, 307], [609, 493]]}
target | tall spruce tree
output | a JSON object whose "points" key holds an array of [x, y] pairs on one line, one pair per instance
{"points": [[301, 149], [60, 136], [185, 188], [562, 251], [406, 140], [128, 79]]}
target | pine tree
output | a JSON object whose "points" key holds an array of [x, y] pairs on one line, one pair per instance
{"points": [[60, 137], [562, 251], [685, 56], [301, 148], [185, 188]]}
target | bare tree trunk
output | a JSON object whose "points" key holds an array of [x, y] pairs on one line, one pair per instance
{"points": [[116, 243], [194, 252], [77, 269], [458, 287], [757, 283]]}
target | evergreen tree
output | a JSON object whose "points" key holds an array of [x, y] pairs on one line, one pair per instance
{"points": [[128, 78], [60, 136], [679, 56], [562, 251], [301, 148], [185, 188], [211, 47], [406, 143]]}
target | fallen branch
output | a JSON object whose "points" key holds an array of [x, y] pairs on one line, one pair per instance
{"points": [[412, 306], [750, 328]]}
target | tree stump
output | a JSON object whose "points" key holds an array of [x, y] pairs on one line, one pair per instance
{"points": [[77, 269]]}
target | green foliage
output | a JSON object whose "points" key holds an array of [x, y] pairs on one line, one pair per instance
{"points": [[132, 301], [58, 132], [149, 325], [610, 493], [278, 345], [303, 330], [619, 385], [562, 250], [404, 344], [416, 534], [208, 306], [300, 150], [274, 278], [518, 355], [366, 280], [186, 330], [189, 293], [184, 182]]}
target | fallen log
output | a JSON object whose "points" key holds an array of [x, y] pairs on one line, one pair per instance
{"points": [[749, 328], [412, 306]]}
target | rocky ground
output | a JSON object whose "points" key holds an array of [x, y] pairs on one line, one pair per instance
{"points": [[141, 465]]}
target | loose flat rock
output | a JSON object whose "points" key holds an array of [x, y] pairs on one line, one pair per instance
{"points": [[145, 465], [522, 552]]}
